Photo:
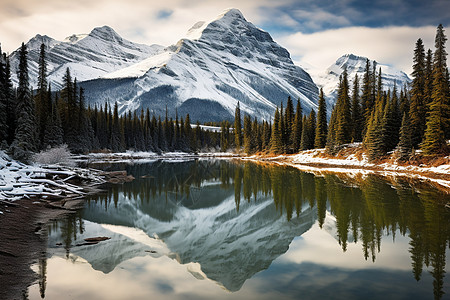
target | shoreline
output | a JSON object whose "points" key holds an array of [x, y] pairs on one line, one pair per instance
{"points": [[24, 241], [438, 178], [313, 161]]}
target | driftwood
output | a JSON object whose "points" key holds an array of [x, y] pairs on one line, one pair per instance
{"points": [[52, 183], [117, 177]]}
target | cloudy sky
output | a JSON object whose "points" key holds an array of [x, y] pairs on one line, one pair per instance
{"points": [[316, 32]]}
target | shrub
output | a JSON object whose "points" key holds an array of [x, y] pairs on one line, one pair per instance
{"points": [[57, 155]]}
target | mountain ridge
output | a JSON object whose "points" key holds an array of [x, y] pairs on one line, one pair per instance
{"points": [[329, 78], [88, 56], [220, 63], [216, 65]]}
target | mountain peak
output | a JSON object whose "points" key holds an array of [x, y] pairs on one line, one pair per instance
{"points": [[37, 40], [105, 33], [231, 13], [231, 28], [229, 20]]}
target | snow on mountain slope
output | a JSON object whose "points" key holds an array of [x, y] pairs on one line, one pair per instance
{"points": [[329, 80], [205, 74], [88, 56]]}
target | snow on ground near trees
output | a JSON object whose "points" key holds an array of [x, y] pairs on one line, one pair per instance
{"points": [[315, 160], [18, 180]]}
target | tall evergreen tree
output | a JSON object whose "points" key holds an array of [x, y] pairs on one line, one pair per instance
{"points": [[3, 103], [374, 139], [25, 136], [417, 107], [248, 135], [331, 136], [404, 148], [10, 101], [53, 134], [366, 102], [428, 88], [288, 123], [343, 117], [438, 120], [42, 111], [357, 118], [320, 139], [308, 131], [297, 127], [276, 142], [237, 128]]}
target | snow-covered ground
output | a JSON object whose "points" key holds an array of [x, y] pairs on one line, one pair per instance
{"points": [[18, 180], [316, 161]]}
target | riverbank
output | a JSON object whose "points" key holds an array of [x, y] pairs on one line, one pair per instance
{"points": [[23, 236], [352, 162]]}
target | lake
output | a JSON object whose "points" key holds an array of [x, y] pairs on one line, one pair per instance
{"points": [[221, 229]]}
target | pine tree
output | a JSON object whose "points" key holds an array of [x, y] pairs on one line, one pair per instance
{"points": [[428, 88], [297, 128], [282, 127], [331, 136], [25, 136], [366, 98], [305, 135], [437, 125], [42, 109], [10, 101], [311, 129], [343, 117], [276, 139], [85, 131], [404, 148], [53, 133], [404, 101], [288, 123], [248, 135], [266, 136], [374, 139], [3, 103], [320, 139], [256, 136], [237, 128], [417, 107], [357, 118]]}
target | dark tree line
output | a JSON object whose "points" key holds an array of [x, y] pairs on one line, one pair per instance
{"points": [[32, 121], [383, 121]]}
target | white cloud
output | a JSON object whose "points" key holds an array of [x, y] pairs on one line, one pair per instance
{"points": [[136, 20], [388, 45]]}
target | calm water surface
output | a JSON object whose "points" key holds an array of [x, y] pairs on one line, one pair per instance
{"points": [[215, 229]]}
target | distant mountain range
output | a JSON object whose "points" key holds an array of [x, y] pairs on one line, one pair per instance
{"points": [[355, 65], [219, 63]]}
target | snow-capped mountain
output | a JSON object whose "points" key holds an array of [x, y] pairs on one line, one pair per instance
{"points": [[329, 80], [205, 74], [230, 246], [88, 56]]}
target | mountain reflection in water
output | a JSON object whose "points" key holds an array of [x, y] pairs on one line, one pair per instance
{"points": [[230, 220]]}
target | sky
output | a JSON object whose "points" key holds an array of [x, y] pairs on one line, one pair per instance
{"points": [[315, 32]]}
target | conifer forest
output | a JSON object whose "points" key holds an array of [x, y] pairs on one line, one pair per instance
{"points": [[399, 121]]}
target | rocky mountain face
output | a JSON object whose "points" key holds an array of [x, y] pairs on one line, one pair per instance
{"points": [[329, 79], [218, 64], [205, 74], [88, 56]]}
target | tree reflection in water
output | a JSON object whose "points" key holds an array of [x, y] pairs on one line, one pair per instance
{"points": [[366, 208]]}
